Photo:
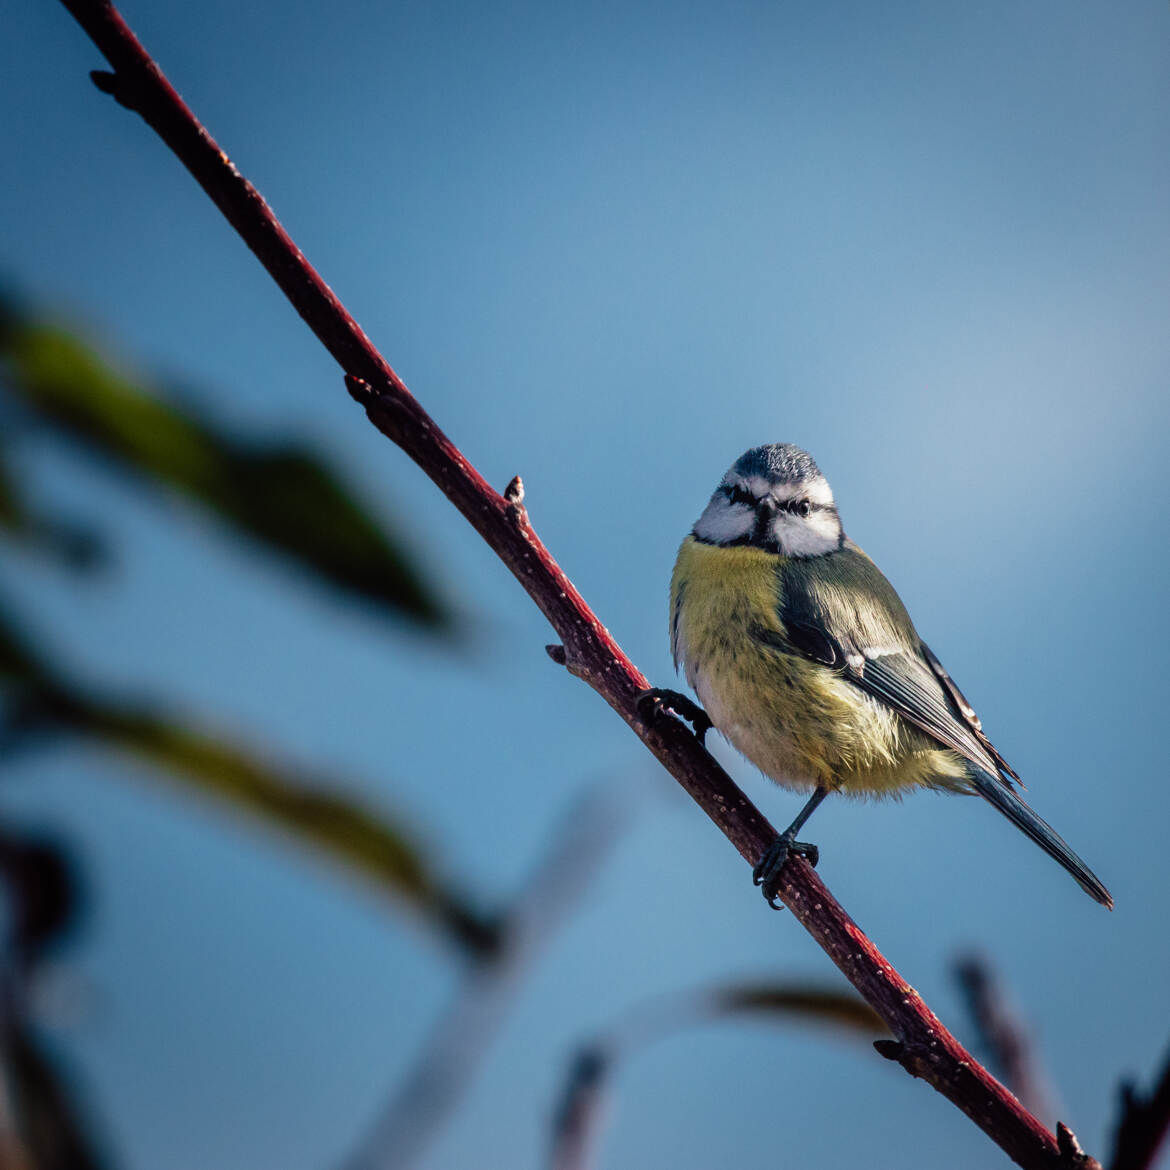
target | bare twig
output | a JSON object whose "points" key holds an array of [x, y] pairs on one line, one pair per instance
{"points": [[1143, 1125], [1004, 1035], [458, 1043], [924, 1047], [577, 1123], [578, 1120]]}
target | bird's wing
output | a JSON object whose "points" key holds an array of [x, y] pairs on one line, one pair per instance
{"points": [[906, 683], [863, 632], [967, 711]]}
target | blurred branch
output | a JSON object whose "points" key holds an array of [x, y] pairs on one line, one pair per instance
{"points": [[282, 497], [41, 704], [78, 546], [14, 1154], [577, 1122], [1143, 1124], [1003, 1035], [459, 1041], [48, 1130], [923, 1047], [42, 1124]]}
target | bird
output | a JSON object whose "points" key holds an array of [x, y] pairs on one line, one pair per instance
{"points": [[804, 658]]}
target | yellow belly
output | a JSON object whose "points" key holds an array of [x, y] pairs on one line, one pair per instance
{"points": [[800, 723]]}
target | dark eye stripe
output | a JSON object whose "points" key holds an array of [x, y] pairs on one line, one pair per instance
{"points": [[737, 495], [799, 506]]}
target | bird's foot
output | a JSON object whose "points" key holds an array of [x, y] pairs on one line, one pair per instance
{"points": [[651, 702], [767, 872]]}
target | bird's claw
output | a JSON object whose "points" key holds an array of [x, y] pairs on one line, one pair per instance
{"points": [[768, 870], [651, 702]]}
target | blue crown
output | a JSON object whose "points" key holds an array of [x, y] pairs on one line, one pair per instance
{"points": [[777, 463]]}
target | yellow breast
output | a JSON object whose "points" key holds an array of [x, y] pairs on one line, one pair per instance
{"points": [[800, 723]]}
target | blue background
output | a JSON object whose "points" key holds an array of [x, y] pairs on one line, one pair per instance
{"points": [[610, 247]]}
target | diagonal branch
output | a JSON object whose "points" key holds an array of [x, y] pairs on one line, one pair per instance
{"points": [[923, 1046]]}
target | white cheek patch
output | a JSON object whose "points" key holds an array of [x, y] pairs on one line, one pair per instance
{"points": [[820, 533], [722, 521]]}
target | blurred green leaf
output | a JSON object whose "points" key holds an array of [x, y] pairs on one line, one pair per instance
{"points": [[284, 497], [319, 817], [312, 812]]}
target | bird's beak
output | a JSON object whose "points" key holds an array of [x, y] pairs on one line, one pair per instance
{"points": [[765, 513]]}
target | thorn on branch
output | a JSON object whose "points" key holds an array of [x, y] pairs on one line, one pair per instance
{"points": [[1071, 1152], [114, 85], [359, 390], [514, 496], [557, 653]]}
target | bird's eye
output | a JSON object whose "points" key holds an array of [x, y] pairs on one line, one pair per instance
{"points": [[804, 508], [737, 495]]}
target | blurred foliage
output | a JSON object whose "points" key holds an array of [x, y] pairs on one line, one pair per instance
{"points": [[283, 497], [42, 704]]}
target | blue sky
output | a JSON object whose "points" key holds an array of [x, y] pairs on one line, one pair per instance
{"points": [[610, 247]]}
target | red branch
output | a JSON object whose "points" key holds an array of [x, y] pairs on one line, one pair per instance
{"points": [[923, 1046]]}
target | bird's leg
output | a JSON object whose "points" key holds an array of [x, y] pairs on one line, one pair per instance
{"points": [[767, 872], [677, 702]]}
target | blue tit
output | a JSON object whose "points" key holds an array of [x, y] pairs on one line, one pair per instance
{"points": [[805, 658]]}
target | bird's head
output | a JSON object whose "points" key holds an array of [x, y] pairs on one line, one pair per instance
{"points": [[774, 498]]}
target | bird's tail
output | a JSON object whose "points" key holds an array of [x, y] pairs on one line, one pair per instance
{"points": [[993, 789]]}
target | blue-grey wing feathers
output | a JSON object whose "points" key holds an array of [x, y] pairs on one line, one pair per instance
{"points": [[906, 683]]}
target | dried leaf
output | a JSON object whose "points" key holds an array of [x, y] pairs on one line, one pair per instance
{"points": [[807, 1001]]}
